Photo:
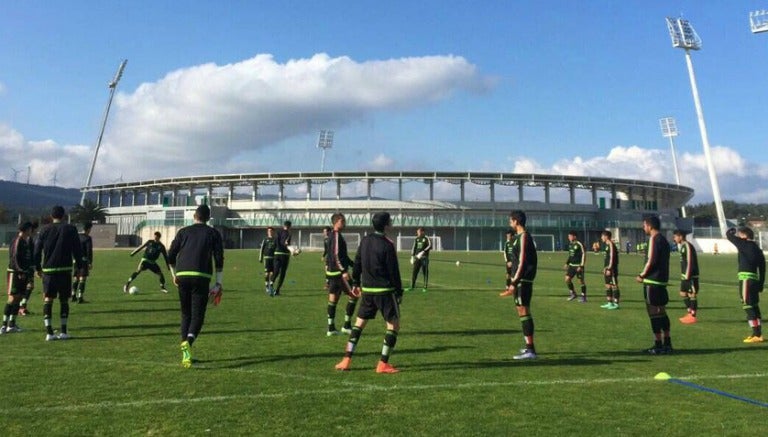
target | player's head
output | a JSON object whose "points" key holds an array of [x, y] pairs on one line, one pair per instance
{"points": [[380, 221], [157, 236], [327, 230], [572, 236], [287, 224], [746, 233], [25, 228], [420, 231], [679, 235], [57, 212], [651, 223], [517, 218], [270, 231], [35, 225], [510, 233], [606, 236], [87, 226], [337, 217], [203, 213]]}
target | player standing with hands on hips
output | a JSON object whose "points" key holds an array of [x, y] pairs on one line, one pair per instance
{"points": [[654, 277], [194, 253], [751, 278]]}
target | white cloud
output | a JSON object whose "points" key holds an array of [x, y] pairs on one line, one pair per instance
{"points": [[44, 160], [381, 163], [211, 113]]}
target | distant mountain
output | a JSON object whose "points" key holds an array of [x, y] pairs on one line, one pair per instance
{"points": [[16, 196]]}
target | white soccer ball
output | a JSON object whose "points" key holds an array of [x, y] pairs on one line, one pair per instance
{"points": [[133, 290], [458, 263], [295, 250]]}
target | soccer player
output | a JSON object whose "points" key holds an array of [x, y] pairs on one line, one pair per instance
{"points": [[654, 277], [326, 235], [152, 251], [56, 247], [751, 278], [574, 267], [689, 276], [267, 256], [420, 258], [508, 251], [337, 264], [377, 274], [81, 274], [23, 310], [282, 255], [19, 266], [610, 272], [194, 254], [524, 266]]}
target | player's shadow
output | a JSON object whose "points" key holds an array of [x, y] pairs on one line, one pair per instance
{"points": [[468, 332], [132, 326], [247, 361], [135, 310]]}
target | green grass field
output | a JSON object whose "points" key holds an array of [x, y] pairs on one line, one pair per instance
{"points": [[266, 367]]}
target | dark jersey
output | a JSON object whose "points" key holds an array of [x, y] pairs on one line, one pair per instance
{"points": [[267, 251], [86, 244], [576, 255], [524, 258], [611, 261], [508, 250], [337, 260], [282, 241], [152, 251], [751, 258], [20, 256], [195, 251], [421, 245], [656, 269], [689, 262], [56, 246], [326, 241], [376, 267]]}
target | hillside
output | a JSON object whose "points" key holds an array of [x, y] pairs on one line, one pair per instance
{"points": [[17, 196]]}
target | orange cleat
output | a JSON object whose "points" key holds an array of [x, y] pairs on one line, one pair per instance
{"points": [[383, 367], [688, 319], [344, 364], [507, 293]]}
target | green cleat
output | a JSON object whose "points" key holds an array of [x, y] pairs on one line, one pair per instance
{"points": [[186, 355], [614, 306]]}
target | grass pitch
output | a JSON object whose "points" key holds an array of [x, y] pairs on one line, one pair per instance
{"points": [[266, 367]]}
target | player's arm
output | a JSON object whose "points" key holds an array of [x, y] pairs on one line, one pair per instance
{"points": [[428, 247], [77, 248], [652, 254], [139, 249], [761, 270], [583, 261]]}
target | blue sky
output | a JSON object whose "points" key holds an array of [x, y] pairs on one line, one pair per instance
{"points": [[572, 87]]}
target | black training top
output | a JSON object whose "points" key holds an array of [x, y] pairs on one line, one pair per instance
{"points": [[86, 244], [337, 259], [656, 269], [195, 250], [20, 256], [376, 267], [282, 242], [56, 246], [751, 258]]}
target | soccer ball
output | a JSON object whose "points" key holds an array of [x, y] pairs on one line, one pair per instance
{"points": [[133, 290], [295, 250], [458, 263]]}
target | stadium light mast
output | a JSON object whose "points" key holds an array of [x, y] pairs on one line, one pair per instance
{"points": [[758, 21], [112, 86], [669, 130], [324, 142], [684, 37]]}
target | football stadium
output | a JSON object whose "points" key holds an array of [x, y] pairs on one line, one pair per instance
{"points": [[459, 211]]}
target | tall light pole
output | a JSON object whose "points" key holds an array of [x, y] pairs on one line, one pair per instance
{"points": [[669, 130], [112, 86], [324, 142], [684, 37], [758, 21]]}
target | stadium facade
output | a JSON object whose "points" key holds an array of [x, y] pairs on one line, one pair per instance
{"points": [[465, 210]]}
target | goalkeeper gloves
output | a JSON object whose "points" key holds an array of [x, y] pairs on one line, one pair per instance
{"points": [[214, 294]]}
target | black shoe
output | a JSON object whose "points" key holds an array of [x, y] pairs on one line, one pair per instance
{"points": [[655, 350]]}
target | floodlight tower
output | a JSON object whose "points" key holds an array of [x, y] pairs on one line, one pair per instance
{"points": [[758, 21], [684, 37], [112, 87], [669, 130], [324, 142]]}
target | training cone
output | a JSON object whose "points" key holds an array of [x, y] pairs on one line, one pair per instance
{"points": [[662, 376]]}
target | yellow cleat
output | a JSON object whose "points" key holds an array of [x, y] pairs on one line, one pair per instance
{"points": [[754, 339], [186, 355]]}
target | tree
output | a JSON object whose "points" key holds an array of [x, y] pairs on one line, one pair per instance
{"points": [[88, 212]]}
